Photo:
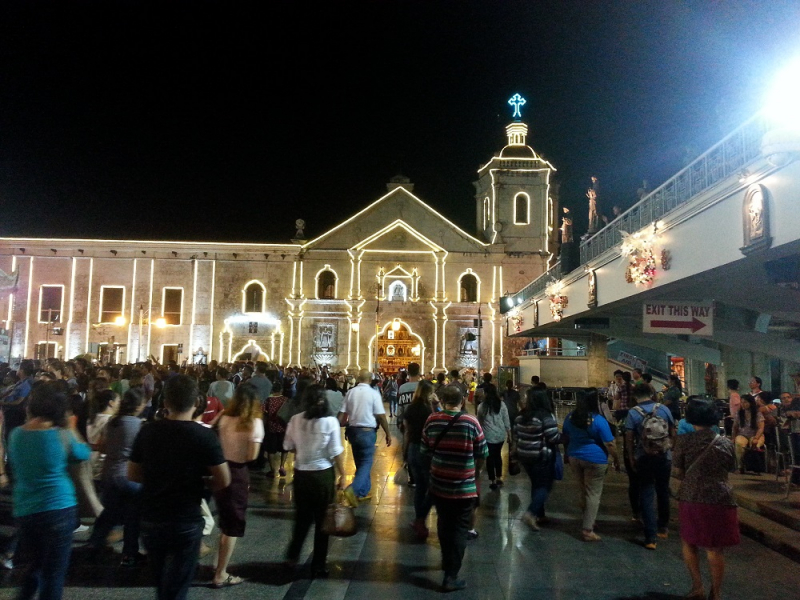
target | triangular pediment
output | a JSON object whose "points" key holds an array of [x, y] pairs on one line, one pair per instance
{"points": [[398, 220], [397, 237]]}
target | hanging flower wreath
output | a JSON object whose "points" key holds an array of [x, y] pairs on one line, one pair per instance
{"points": [[558, 301], [640, 248]]}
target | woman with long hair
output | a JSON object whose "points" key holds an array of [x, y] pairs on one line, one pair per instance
{"points": [[748, 429], [414, 417], [44, 501], [590, 443], [120, 495], [241, 431], [708, 516], [316, 440], [536, 438], [493, 417]]}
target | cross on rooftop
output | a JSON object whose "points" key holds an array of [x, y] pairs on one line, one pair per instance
{"points": [[517, 102]]}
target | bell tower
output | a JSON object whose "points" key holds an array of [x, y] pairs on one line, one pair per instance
{"points": [[516, 199]]}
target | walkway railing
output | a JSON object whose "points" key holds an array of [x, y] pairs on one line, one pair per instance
{"points": [[728, 157], [540, 283]]}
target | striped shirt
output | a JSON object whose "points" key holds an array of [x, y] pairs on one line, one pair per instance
{"points": [[453, 463], [535, 436]]}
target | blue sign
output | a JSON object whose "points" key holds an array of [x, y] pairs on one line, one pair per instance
{"points": [[517, 102]]}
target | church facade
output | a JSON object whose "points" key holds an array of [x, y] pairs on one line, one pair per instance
{"points": [[396, 282]]}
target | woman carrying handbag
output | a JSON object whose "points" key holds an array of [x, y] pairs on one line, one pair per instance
{"points": [[316, 440]]}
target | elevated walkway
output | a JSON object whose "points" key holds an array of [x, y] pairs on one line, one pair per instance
{"points": [[721, 235]]}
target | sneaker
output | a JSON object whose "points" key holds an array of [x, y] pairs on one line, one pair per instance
{"points": [[530, 521], [452, 584], [420, 529], [650, 545], [492, 486], [133, 561], [366, 497], [81, 529], [350, 496], [7, 562], [282, 472], [500, 482], [472, 535], [663, 534]]}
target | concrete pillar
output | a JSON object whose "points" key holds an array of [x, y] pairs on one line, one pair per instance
{"points": [[597, 358], [695, 377]]}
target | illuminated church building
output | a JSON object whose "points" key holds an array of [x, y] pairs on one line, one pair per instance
{"points": [[397, 267]]}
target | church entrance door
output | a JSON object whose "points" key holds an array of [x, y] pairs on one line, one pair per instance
{"points": [[397, 347]]}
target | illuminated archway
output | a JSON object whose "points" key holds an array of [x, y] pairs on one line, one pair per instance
{"points": [[470, 283], [254, 297], [258, 352], [412, 352]]}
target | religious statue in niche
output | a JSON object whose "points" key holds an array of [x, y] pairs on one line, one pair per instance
{"points": [[755, 217], [324, 337], [592, 279], [469, 340], [390, 350], [566, 227], [398, 292], [591, 194], [300, 225]]}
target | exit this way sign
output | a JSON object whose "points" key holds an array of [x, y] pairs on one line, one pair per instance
{"points": [[687, 318]]}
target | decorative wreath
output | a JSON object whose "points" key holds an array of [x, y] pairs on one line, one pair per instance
{"points": [[641, 250], [558, 301]]}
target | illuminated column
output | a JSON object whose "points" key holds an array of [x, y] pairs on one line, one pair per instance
{"points": [[440, 293]]}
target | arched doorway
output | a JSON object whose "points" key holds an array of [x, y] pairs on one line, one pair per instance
{"points": [[397, 346]]}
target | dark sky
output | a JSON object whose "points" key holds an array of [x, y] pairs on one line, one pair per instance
{"points": [[227, 121]]}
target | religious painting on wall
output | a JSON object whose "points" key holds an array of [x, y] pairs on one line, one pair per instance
{"points": [[324, 337], [468, 347], [592, 282], [755, 219]]}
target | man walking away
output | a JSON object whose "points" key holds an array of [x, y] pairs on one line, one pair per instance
{"points": [[404, 396], [170, 458], [455, 443], [362, 411], [649, 432]]}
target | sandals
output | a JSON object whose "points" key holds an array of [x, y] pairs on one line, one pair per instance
{"points": [[591, 536], [229, 581]]}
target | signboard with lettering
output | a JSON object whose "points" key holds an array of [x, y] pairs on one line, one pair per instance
{"points": [[682, 318], [634, 362]]}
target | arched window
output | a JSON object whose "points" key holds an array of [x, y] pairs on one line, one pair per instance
{"points": [[326, 285], [253, 297], [468, 288], [522, 209], [398, 291]]}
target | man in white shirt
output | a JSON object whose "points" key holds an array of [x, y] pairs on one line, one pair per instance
{"points": [[362, 411]]}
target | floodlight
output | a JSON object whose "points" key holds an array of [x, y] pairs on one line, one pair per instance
{"points": [[782, 104]]}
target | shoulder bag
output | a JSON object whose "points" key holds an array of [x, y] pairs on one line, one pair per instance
{"points": [[442, 433], [701, 455]]}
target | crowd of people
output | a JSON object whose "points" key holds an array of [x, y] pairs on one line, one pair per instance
{"points": [[150, 448]]}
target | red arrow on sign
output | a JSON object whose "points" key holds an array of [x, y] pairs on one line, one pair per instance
{"points": [[695, 324]]}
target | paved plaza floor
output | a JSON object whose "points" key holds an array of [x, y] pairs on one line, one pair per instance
{"points": [[508, 560]]}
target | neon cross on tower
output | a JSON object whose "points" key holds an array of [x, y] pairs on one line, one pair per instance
{"points": [[517, 102]]}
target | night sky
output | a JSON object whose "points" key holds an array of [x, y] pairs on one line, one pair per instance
{"points": [[227, 121]]}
